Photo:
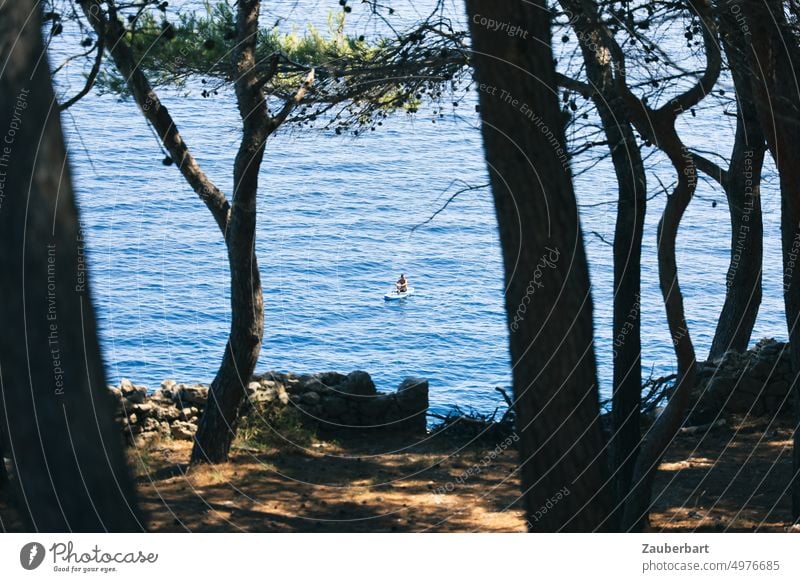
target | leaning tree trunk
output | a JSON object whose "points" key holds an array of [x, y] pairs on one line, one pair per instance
{"points": [[773, 54], [68, 460], [548, 298], [742, 185], [217, 427], [632, 200]]}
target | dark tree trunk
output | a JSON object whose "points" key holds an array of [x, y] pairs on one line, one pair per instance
{"points": [[773, 55], [632, 200], [67, 452], [3, 470], [548, 299], [237, 222], [217, 427], [659, 127], [742, 184]]}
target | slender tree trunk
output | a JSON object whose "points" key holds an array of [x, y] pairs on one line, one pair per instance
{"points": [[742, 184], [237, 222], [743, 280], [548, 297], [632, 199], [217, 427], [67, 451], [773, 54], [627, 394], [659, 127]]}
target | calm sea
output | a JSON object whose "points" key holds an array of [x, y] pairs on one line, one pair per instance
{"points": [[335, 230]]}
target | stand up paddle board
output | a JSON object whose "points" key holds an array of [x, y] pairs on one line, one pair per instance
{"points": [[395, 296]]}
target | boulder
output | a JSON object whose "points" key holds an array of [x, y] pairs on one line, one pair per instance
{"points": [[358, 383], [330, 378], [133, 394], [318, 386], [143, 410], [412, 394], [195, 395], [333, 406], [168, 388], [311, 398], [373, 410]]}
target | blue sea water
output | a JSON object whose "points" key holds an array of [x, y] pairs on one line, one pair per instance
{"points": [[335, 223]]}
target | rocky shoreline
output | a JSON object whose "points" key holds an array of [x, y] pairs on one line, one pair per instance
{"points": [[328, 401], [756, 382]]}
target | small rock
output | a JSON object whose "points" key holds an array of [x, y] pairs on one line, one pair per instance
{"points": [[144, 409], [183, 431], [145, 439], [150, 424], [193, 395], [283, 395]]}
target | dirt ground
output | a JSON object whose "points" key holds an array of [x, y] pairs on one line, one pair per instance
{"points": [[732, 478], [361, 484]]}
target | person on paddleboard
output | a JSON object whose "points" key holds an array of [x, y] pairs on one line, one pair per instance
{"points": [[402, 284]]}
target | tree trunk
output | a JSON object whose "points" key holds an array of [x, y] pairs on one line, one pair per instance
{"points": [[548, 299], [632, 200], [773, 53], [742, 184], [68, 460], [217, 426], [237, 222], [659, 127], [3, 471]]}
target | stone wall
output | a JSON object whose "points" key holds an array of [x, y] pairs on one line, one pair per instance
{"points": [[328, 401], [754, 382]]}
